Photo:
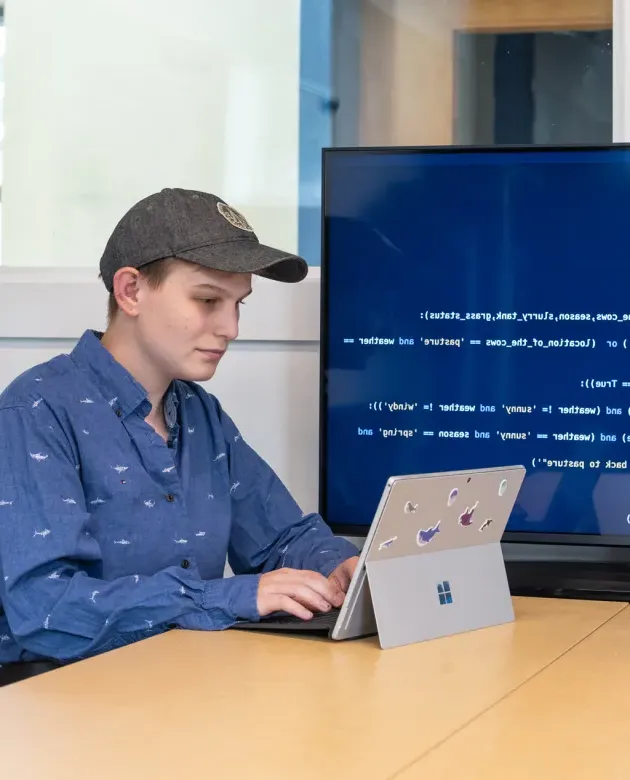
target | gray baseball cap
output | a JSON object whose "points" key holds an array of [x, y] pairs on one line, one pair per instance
{"points": [[198, 227]]}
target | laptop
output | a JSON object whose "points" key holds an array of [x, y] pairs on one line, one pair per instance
{"points": [[431, 564]]}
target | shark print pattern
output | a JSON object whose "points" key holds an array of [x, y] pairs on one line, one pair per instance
{"points": [[108, 499]]}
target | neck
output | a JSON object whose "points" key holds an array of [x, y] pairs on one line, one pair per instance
{"points": [[120, 342]]}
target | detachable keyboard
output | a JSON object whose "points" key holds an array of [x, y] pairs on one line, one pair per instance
{"points": [[322, 622]]}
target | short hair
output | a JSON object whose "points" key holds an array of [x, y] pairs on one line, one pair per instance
{"points": [[154, 274]]}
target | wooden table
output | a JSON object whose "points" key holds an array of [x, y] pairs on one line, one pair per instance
{"points": [[247, 705], [570, 721]]}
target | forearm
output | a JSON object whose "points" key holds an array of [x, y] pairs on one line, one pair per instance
{"points": [[310, 544], [82, 616]]}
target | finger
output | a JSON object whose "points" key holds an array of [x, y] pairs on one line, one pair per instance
{"points": [[292, 607], [329, 590], [308, 597], [342, 580]]}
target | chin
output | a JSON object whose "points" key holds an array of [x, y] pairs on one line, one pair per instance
{"points": [[198, 373]]}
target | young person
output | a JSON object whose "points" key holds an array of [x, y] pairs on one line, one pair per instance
{"points": [[124, 485]]}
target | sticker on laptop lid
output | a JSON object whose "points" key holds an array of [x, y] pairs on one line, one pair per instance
{"points": [[387, 543], [410, 508], [466, 518], [427, 535], [488, 521], [503, 487], [452, 497]]}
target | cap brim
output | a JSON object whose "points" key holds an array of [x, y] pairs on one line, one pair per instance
{"points": [[249, 257]]}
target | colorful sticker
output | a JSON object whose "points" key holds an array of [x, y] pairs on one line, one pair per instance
{"points": [[488, 521], [466, 518], [503, 487], [452, 497], [425, 536], [410, 508], [387, 543]]}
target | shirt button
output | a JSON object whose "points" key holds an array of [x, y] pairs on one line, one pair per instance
{"points": [[185, 563], [170, 498], [118, 412], [172, 626]]}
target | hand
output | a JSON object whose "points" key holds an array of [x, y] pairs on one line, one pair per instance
{"points": [[300, 593], [342, 575]]}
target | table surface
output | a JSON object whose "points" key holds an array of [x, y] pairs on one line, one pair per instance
{"points": [[572, 720], [244, 704]]}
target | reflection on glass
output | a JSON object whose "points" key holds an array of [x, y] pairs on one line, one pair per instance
{"points": [[421, 72], [533, 88]]}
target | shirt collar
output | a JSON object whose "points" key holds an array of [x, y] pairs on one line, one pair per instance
{"points": [[124, 394]]}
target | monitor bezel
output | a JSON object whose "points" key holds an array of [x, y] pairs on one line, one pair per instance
{"points": [[360, 531]]}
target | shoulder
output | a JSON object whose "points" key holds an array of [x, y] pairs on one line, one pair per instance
{"points": [[51, 382]]}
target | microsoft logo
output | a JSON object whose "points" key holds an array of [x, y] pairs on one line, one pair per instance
{"points": [[444, 592]]}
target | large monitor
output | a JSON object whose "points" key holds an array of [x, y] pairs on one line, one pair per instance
{"points": [[476, 313]]}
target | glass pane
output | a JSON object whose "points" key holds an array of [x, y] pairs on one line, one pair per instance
{"points": [[534, 88], [442, 72], [414, 72]]}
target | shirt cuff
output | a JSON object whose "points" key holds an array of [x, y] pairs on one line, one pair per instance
{"points": [[235, 597]]}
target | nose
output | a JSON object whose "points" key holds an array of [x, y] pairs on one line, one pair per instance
{"points": [[227, 324]]}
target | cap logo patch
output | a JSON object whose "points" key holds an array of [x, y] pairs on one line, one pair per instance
{"points": [[234, 217]]}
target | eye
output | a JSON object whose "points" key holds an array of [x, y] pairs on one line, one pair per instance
{"points": [[208, 301]]}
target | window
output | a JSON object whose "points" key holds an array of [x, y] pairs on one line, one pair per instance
{"points": [[421, 72]]}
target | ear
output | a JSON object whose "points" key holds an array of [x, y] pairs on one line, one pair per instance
{"points": [[126, 284]]}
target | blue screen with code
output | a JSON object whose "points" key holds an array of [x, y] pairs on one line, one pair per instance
{"points": [[477, 314]]}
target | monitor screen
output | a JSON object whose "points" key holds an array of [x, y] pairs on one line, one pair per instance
{"points": [[476, 313]]}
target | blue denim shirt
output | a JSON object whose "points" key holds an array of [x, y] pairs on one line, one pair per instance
{"points": [[109, 534]]}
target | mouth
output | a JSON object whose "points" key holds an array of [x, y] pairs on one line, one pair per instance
{"points": [[212, 354]]}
